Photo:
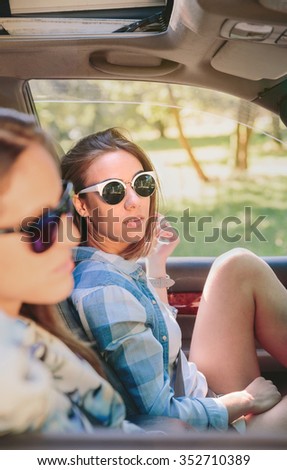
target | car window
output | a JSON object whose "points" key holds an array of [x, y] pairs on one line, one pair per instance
{"points": [[221, 161]]}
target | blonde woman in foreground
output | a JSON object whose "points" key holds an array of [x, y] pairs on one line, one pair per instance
{"points": [[50, 382]]}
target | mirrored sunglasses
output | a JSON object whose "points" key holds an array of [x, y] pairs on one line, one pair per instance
{"points": [[113, 191]]}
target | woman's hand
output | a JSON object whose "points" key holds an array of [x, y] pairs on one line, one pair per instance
{"points": [[165, 241], [263, 395], [259, 396]]}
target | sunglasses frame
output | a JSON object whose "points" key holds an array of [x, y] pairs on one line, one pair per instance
{"points": [[99, 187], [65, 206]]}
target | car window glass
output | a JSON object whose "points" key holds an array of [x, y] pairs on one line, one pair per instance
{"points": [[221, 161]]}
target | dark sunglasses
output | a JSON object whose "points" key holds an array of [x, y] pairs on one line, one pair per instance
{"points": [[41, 232], [113, 191]]}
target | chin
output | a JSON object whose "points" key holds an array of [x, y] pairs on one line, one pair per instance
{"points": [[63, 293], [56, 293], [135, 238]]}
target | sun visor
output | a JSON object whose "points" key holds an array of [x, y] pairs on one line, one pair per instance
{"points": [[251, 60], [82, 18]]}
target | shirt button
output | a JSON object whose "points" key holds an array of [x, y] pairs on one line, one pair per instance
{"points": [[164, 338], [153, 302]]}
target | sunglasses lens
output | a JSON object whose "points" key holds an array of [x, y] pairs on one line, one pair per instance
{"points": [[113, 192], [43, 234], [145, 185]]}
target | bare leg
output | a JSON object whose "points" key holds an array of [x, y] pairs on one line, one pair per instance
{"points": [[272, 421], [242, 301]]}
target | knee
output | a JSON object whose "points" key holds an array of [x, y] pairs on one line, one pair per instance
{"points": [[238, 262]]}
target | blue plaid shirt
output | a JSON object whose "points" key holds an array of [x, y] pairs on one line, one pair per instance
{"points": [[118, 311]]}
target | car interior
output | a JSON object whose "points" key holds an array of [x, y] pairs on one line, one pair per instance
{"points": [[237, 47]]}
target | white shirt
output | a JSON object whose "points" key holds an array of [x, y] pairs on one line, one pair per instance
{"points": [[195, 383]]}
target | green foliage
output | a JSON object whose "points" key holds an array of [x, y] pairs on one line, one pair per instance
{"points": [[230, 203], [261, 199]]}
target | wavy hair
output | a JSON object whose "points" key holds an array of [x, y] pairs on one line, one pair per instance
{"points": [[76, 163]]}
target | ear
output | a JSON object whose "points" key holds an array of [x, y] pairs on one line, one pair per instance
{"points": [[80, 206]]}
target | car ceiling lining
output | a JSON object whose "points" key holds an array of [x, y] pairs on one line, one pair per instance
{"points": [[249, 60], [191, 51]]}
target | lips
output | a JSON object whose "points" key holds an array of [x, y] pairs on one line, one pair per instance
{"points": [[134, 222]]}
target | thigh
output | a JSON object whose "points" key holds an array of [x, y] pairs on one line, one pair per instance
{"points": [[223, 343], [272, 421]]}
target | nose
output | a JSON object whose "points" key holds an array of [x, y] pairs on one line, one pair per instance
{"points": [[68, 233], [132, 200]]}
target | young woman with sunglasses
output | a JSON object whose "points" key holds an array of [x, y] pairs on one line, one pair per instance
{"points": [[126, 311], [50, 381]]}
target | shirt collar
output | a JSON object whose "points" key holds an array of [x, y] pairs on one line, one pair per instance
{"points": [[129, 267]]}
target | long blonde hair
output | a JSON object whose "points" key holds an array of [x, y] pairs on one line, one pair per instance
{"points": [[17, 131], [75, 165]]}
